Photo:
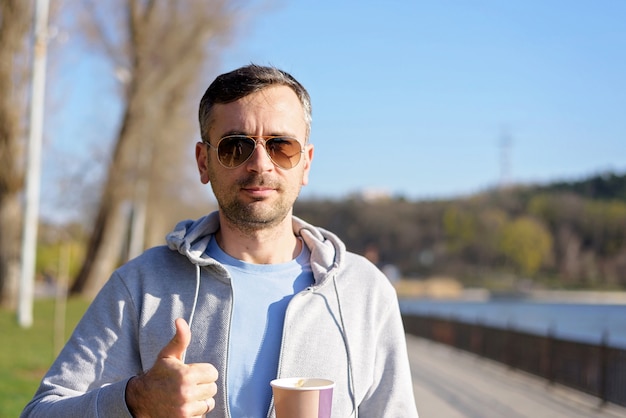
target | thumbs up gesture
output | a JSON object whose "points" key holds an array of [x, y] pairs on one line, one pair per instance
{"points": [[172, 388]]}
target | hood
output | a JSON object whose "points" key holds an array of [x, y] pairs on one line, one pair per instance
{"points": [[191, 238]]}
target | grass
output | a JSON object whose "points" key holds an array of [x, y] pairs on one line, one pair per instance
{"points": [[26, 354]]}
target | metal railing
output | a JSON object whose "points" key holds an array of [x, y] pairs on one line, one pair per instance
{"points": [[598, 370]]}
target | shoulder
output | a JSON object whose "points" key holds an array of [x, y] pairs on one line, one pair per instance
{"points": [[154, 258], [157, 266], [359, 271], [357, 261]]}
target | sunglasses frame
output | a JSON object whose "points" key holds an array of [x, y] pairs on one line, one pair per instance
{"points": [[257, 139]]}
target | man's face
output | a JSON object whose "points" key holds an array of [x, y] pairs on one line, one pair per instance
{"points": [[257, 194]]}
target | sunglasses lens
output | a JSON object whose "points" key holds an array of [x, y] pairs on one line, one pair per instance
{"points": [[233, 151], [284, 152]]}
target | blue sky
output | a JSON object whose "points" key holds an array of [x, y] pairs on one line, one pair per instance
{"points": [[416, 98], [412, 98]]}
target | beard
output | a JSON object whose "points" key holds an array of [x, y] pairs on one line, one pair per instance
{"points": [[259, 214]]}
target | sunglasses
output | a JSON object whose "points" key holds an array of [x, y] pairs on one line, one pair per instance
{"points": [[234, 150]]}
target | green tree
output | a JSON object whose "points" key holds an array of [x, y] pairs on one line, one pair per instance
{"points": [[527, 243], [605, 226], [459, 227]]}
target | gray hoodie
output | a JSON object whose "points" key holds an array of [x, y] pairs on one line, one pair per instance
{"points": [[346, 327]]}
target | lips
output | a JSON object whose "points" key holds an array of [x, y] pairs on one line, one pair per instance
{"points": [[257, 184], [258, 191]]}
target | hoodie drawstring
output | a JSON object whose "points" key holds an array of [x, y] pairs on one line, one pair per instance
{"points": [[349, 358], [195, 302]]}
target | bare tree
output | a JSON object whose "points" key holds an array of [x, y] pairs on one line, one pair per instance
{"points": [[160, 49], [15, 22]]}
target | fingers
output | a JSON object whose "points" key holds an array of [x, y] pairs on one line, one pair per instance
{"points": [[202, 372], [178, 344], [208, 390], [207, 406]]}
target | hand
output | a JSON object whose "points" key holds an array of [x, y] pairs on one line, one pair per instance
{"points": [[172, 388]]}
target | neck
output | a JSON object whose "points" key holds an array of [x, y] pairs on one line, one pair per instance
{"points": [[266, 246]]}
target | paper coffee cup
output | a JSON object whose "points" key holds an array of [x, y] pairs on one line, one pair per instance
{"points": [[302, 397]]}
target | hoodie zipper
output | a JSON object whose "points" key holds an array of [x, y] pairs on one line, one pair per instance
{"points": [[301, 294]]}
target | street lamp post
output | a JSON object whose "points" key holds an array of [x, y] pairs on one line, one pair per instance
{"points": [[33, 171]]}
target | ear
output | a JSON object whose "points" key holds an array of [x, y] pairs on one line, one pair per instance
{"points": [[202, 159], [308, 158]]}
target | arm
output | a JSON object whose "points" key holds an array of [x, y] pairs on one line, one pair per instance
{"points": [[94, 375], [90, 374], [392, 393]]}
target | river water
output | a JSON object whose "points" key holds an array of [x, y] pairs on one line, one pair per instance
{"points": [[582, 322]]}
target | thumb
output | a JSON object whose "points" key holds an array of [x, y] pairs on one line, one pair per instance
{"points": [[178, 344]]}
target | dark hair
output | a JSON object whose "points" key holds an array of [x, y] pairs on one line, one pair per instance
{"points": [[246, 80]]}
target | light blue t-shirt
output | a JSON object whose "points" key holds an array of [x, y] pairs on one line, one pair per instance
{"points": [[261, 294]]}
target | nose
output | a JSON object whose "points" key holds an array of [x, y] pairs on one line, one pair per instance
{"points": [[260, 159]]}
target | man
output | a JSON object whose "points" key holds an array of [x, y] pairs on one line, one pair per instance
{"points": [[239, 297]]}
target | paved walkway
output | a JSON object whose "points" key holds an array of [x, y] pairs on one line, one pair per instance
{"points": [[451, 383]]}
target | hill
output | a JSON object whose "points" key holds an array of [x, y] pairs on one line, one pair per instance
{"points": [[606, 186], [558, 235]]}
